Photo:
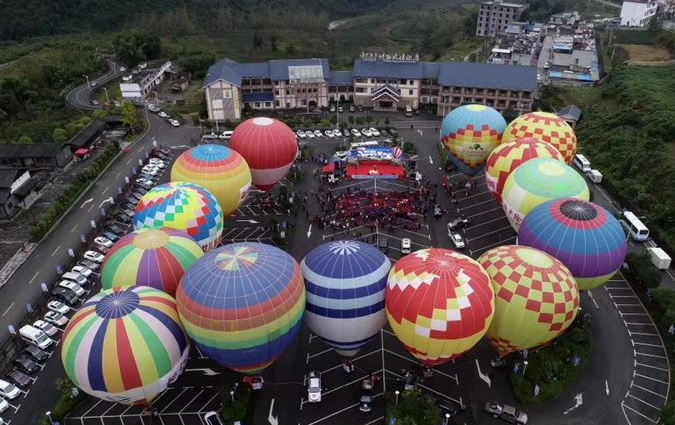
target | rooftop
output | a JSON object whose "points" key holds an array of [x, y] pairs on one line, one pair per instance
{"points": [[570, 112], [30, 150], [481, 75], [275, 70], [7, 177]]}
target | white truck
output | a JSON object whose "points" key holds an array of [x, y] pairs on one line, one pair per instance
{"points": [[659, 257]]}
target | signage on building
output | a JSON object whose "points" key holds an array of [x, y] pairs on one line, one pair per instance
{"points": [[390, 57]]}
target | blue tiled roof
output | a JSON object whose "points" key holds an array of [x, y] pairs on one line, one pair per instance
{"points": [[260, 70], [481, 75], [341, 77], [258, 97], [387, 69], [279, 68], [430, 69], [223, 70]]}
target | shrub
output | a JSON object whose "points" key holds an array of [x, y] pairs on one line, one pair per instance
{"points": [[642, 271], [60, 135], [409, 148], [25, 140]]}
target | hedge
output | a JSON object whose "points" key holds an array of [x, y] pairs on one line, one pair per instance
{"points": [[70, 194]]}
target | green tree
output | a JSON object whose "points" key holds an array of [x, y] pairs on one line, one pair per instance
{"points": [[25, 140], [257, 41], [130, 118], [415, 408], [290, 49], [99, 114], [136, 46], [509, 114], [60, 135], [369, 118], [273, 43], [642, 271]]}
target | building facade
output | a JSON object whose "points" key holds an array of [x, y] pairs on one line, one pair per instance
{"points": [[494, 16], [380, 82], [143, 80], [638, 13]]}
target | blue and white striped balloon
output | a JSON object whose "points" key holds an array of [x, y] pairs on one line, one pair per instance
{"points": [[345, 282]]}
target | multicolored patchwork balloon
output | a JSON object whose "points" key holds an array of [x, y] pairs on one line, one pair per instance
{"points": [[182, 206], [536, 297], [345, 282], [470, 133], [547, 127], [218, 169], [509, 155], [582, 235], [125, 345], [269, 146], [439, 304], [150, 257], [537, 181], [242, 304]]}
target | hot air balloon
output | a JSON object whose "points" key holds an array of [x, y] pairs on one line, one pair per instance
{"points": [[509, 155], [582, 235], [269, 146], [242, 304], [536, 297], [218, 169], [150, 257], [125, 345], [537, 181], [547, 127], [182, 206], [345, 283], [470, 133], [439, 304]]}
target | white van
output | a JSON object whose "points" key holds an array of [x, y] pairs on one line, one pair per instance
{"points": [[77, 289], [35, 336], [76, 277], [582, 163], [635, 228], [408, 111]]}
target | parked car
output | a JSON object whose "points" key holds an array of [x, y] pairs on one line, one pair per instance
{"points": [[329, 134], [359, 108], [226, 135], [374, 132], [58, 307], [113, 237], [129, 212], [410, 381], [116, 230], [103, 241], [174, 123], [75, 277], [505, 412], [314, 387], [8, 390], [213, 418], [383, 244], [332, 107], [393, 132], [317, 133], [457, 240], [145, 184], [19, 378], [151, 106], [123, 218], [356, 132], [55, 318], [94, 256], [26, 365], [458, 223], [310, 134], [384, 133], [352, 108], [405, 246], [84, 271], [150, 170], [366, 398], [89, 264], [72, 286], [345, 132], [301, 134], [163, 114], [341, 109], [4, 405], [35, 353], [65, 295], [45, 327], [366, 132], [447, 409]]}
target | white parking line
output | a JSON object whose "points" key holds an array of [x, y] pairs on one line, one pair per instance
{"points": [[651, 379], [649, 355], [485, 222], [648, 390], [189, 402], [642, 333], [475, 205], [650, 366], [309, 356], [644, 402], [340, 411], [648, 345], [172, 401], [635, 411]]}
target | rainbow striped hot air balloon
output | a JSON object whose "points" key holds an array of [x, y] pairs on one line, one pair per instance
{"points": [[536, 297], [439, 304], [345, 282], [218, 169], [582, 235], [547, 127], [125, 345], [182, 206], [150, 257], [269, 146], [537, 181], [242, 304], [470, 133], [509, 155]]}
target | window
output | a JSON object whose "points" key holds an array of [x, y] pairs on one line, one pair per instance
{"points": [[276, 92], [257, 104], [410, 92], [288, 92], [216, 94], [277, 103]]}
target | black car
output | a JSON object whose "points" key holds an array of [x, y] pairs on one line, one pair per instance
{"points": [[65, 295], [113, 237], [384, 132], [19, 378], [128, 206], [26, 365], [123, 218], [144, 185], [447, 409], [129, 212], [116, 230], [136, 195], [366, 401], [35, 353], [140, 190], [359, 108]]}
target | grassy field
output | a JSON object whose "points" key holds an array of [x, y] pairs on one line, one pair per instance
{"points": [[646, 53], [634, 37]]}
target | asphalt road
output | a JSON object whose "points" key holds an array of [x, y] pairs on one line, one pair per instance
{"points": [[79, 96]]}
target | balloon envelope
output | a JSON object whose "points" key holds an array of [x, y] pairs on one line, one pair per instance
{"points": [[582, 235], [242, 304], [150, 257], [345, 282], [269, 146], [439, 303], [125, 345], [218, 169], [537, 181], [470, 133], [182, 206], [547, 127], [509, 155], [536, 297]]}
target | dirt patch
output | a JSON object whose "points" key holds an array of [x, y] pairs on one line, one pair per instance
{"points": [[647, 53]]}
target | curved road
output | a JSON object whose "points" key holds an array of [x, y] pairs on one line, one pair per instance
{"points": [[79, 97]]}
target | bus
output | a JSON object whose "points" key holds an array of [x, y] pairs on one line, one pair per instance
{"points": [[635, 228]]}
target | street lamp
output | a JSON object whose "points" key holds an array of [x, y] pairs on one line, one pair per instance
{"points": [[87, 77], [232, 395], [105, 89], [447, 418], [525, 366], [49, 415], [397, 392]]}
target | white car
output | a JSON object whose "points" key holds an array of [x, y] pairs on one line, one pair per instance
{"points": [[366, 132], [72, 286], [3, 406], [226, 135], [301, 134], [103, 241], [374, 132], [457, 240], [174, 123], [122, 69], [84, 271], [94, 256], [341, 154], [329, 134], [405, 246], [8, 390], [55, 318], [149, 169], [309, 134], [337, 133], [45, 327], [317, 133], [356, 132], [163, 114], [314, 387], [58, 307], [157, 163]]}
